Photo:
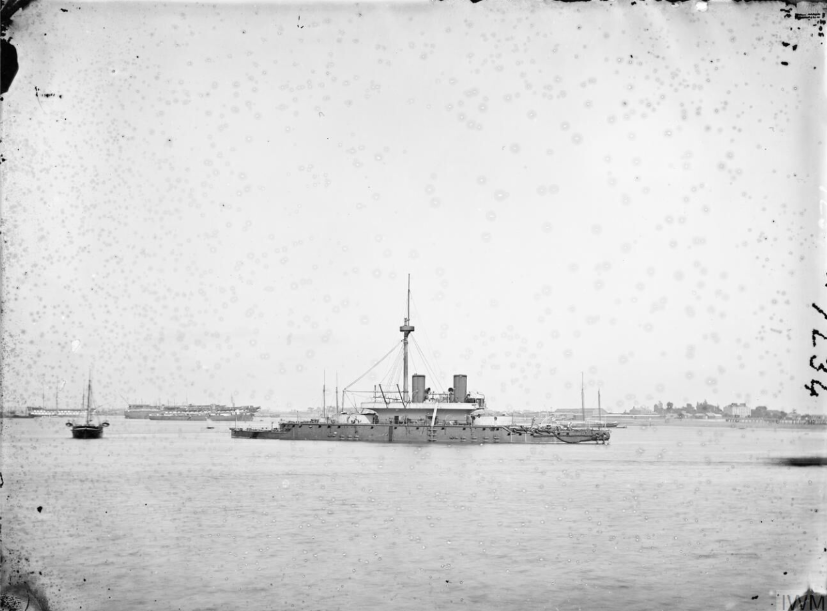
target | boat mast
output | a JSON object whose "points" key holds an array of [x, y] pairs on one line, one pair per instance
{"points": [[324, 395], [599, 411], [582, 397], [337, 395], [89, 400], [406, 329]]}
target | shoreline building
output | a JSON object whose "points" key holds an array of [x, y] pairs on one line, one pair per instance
{"points": [[737, 410], [576, 413]]}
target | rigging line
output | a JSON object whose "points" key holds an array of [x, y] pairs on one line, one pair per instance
{"points": [[400, 368], [428, 345], [436, 379], [395, 347], [384, 374], [412, 365], [352, 400], [397, 366], [398, 372], [387, 373], [392, 374], [428, 368]]}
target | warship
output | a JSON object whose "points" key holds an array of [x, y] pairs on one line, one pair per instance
{"points": [[47, 412], [397, 415]]}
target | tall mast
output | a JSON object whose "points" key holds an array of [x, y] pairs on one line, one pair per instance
{"points": [[599, 411], [406, 329], [89, 400], [337, 394], [582, 397], [324, 394]]}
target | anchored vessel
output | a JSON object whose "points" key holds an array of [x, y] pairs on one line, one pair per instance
{"points": [[88, 430], [191, 412], [45, 412], [421, 416], [225, 415]]}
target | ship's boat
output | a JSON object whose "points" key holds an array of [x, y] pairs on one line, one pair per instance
{"points": [[390, 414], [88, 429]]}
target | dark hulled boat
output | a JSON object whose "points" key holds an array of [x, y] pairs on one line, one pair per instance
{"points": [[440, 433], [88, 430], [395, 415]]}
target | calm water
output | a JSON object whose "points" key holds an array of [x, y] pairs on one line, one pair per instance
{"points": [[165, 515]]}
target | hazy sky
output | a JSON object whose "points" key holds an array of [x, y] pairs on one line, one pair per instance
{"points": [[225, 201]]}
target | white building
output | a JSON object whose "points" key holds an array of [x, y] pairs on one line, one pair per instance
{"points": [[738, 410]]}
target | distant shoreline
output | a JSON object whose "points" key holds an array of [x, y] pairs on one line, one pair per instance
{"points": [[733, 424], [622, 421]]}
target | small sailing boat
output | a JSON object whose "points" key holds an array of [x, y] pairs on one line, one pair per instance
{"points": [[88, 430]]}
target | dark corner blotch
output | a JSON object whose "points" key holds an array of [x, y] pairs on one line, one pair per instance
{"points": [[8, 65], [9, 8], [802, 461], [8, 52], [23, 596]]}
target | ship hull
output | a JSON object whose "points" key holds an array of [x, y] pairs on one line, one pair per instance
{"points": [[56, 413], [84, 431], [456, 434], [203, 417]]}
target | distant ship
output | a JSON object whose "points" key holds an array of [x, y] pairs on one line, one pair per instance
{"points": [[56, 411], [220, 416], [393, 415], [191, 412], [45, 412], [88, 430]]}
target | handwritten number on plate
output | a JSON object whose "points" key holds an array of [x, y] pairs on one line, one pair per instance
{"points": [[820, 366], [812, 389]]}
